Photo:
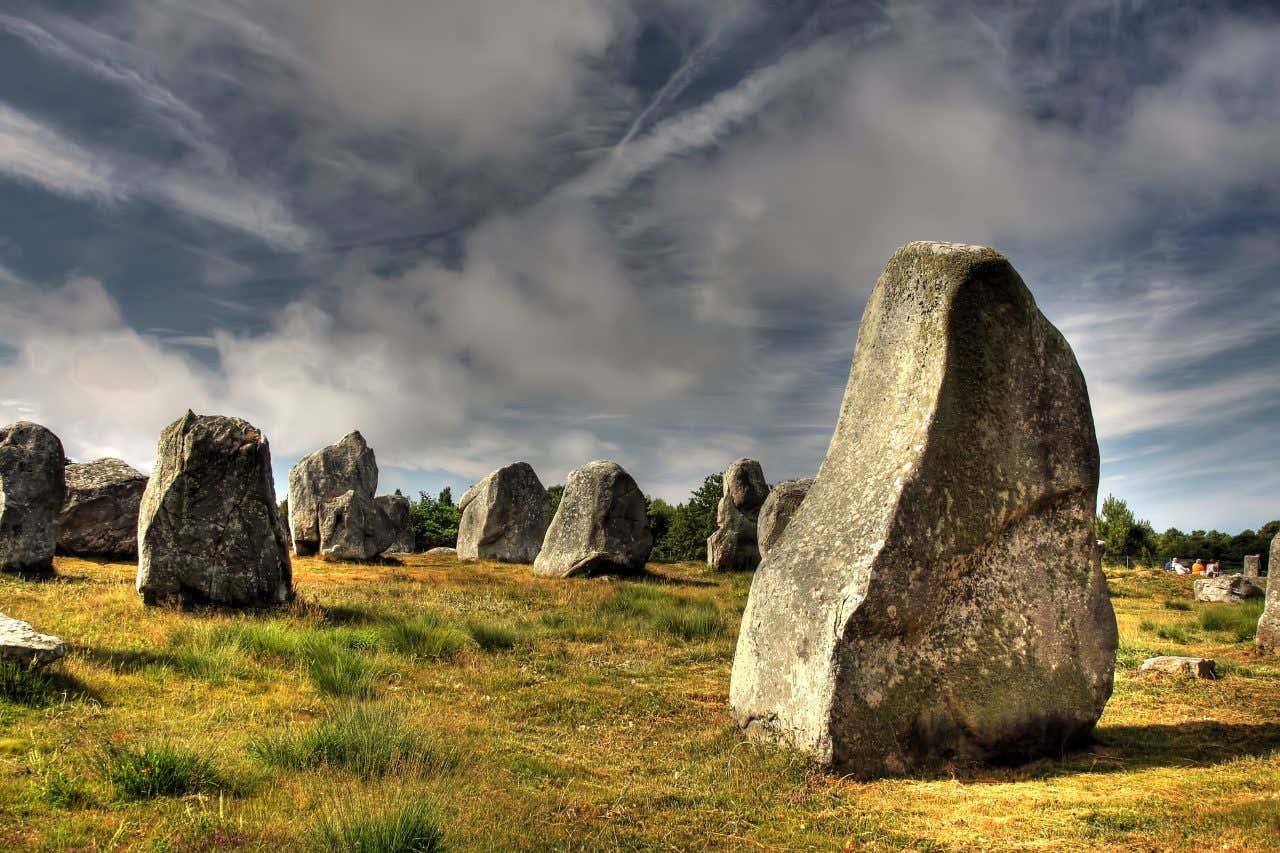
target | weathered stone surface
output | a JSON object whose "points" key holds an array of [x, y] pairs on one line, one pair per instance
{"points": [[100, 514], [348, 465], [396, 508], [600, 527], [443, 551], [504, 516], [1268, 636], [1252, 566], [1191, 667], [939, 597], [1226, 589], [733, 547], [778, 510], [354, 527], [20, 643], [32, 487], [209, 529]]}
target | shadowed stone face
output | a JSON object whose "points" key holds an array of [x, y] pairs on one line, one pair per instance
{"points": [[1268, 636], [732, 547], [332, 510], [100, 514], [601, 526], [208, 528], [396, 508], [504, 516], [777, 511], [938, 596], [32, 489]]}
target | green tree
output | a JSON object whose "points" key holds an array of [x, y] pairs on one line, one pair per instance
{"points": [[554, 495], [691, 523], [661, 514], [1123, 535], [435, 521]]}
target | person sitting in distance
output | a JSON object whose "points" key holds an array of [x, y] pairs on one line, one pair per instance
{"points": [[1178, 568], [1211, 568], [1198, 567]]}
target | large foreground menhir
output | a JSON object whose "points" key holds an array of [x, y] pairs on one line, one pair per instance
{"points": [[938, 596]]}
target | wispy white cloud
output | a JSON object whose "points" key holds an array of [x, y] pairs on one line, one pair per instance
{"points": [[36, 153]]}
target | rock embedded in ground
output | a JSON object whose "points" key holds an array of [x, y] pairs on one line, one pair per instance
{"points": [[504, 516], [100, 514], [1252, 566], [1225, 589], [601, 526], [778, 510], [209, 529], [443, 551], [1268, 636], [348, 465], [733, 546], [1192, 667], [32, 489], [23, 645], [396, 508], [939, 598]]}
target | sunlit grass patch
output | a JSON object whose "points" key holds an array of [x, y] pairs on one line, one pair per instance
{"points": [[363, 739], [158, 769], [666, 613], [55, 783], [410, 826], [1239, 620]]}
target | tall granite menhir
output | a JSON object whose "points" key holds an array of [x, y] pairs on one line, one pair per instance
{"points": [[733, 547], [1268, 636], [939, 598], [209, 530], [504, 516], [32, 488]]}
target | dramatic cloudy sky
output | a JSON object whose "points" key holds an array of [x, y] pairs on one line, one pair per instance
{"points": [[485, 230]]}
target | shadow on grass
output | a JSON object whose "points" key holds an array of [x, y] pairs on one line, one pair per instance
{"points": [[124, 660], [49, 575], [650, 576], [41, 688]]}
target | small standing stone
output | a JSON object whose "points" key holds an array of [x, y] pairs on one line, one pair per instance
{"points": [[1268, 636], [209, 528], [733, 546], [32, 489], [100, 514], [601, 526], [504, 516], [1192, 667], [1252, 566], [396, 508], [345, 474], [778, 509]]}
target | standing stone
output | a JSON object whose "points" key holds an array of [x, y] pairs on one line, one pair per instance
{"points": [[1225, 589], [939, 598], [100, 513], [32, 488], [504, 516], [1268, 636], [600, 527], [396, 508], [209, 529], [733, 547], [778, 510], [345, 475], [1252, 566]]}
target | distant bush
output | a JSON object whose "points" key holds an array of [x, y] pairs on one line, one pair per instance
{"points": [[355, 827], [435, 520], [158, 770]]}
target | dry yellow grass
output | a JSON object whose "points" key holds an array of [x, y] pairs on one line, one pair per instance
{"points": [[582, 715]]}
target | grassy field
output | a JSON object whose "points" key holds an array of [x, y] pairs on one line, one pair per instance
{"points": [[454, 706]]}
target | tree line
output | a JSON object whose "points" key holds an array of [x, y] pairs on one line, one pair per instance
{"points": [[1127, 538]]}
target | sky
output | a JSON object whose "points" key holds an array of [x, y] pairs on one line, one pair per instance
{"points": [[645, 230]]}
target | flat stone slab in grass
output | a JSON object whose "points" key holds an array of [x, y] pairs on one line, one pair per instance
{"points": [[1226, 589], [20, 643], [443, 551], [1191, 667]]}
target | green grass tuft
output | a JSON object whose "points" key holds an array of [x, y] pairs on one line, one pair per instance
{"points": [[158, 770], [1239, 620], [26, 685], [492, 637], [1175, 604], [1175, 634], [55, 784], [366, 740], [338, 671], [666, 614], [425, 638], [409, 827]]}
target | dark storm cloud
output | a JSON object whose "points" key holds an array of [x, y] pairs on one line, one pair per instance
{"points": [[642, 230]]}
